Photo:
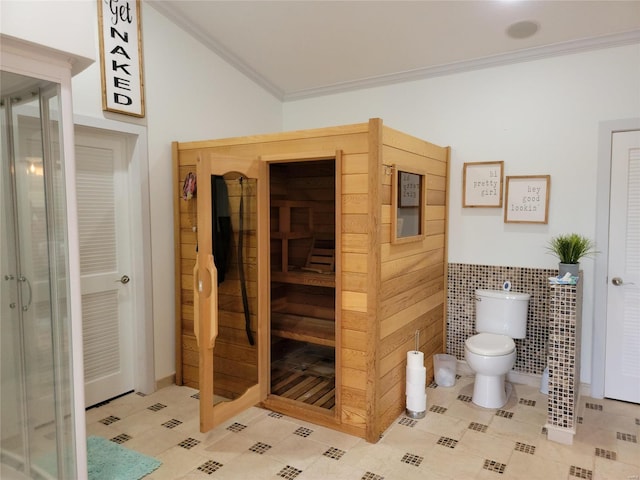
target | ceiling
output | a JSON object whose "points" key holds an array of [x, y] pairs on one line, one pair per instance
{"points": [[298, 49], [19, 86]]}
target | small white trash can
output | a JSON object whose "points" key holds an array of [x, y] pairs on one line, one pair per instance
{"points": [[444, 368]]}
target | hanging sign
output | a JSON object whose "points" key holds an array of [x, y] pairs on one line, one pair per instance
{"points": [[527, 199], [121, 56], [482, 184]]}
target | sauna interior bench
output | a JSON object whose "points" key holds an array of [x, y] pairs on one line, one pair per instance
{"points": [[300, 277], [314, 330]]}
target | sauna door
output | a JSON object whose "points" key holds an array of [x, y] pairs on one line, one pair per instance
{"points": [[227, 325]]}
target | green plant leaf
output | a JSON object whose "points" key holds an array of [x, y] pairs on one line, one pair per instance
{"points": [[570, 248]]}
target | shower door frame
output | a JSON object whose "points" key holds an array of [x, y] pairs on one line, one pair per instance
{"points": [[42, 63]]}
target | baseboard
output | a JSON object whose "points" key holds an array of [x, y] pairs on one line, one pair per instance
{"points": [[530, 379], [585, 390], [560, 434], [165, 382]]}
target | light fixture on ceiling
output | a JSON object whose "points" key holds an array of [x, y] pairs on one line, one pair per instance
{"points": [[523, 29]]}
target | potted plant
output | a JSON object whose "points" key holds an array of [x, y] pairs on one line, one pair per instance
{"points": [[569, 249]]}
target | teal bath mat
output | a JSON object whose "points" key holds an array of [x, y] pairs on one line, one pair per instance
{"points": [[107, 460]]}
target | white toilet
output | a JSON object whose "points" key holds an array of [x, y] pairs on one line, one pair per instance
{"points": [[501, 316]]}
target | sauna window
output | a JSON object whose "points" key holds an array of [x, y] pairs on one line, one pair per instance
{"points": [[408, 206]]}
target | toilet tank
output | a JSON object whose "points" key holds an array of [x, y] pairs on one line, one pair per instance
{"points": [[502, 312]]}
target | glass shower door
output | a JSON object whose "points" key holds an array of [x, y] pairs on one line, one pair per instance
{"points": [[36, 429]]}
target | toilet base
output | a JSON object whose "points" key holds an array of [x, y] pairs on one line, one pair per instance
{"points": [[490, 391]]}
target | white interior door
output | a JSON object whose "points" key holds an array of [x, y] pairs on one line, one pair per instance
{"points": [[622, 370], [104, 224]]}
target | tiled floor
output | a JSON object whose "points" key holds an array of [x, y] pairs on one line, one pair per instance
{"points": [[455, 440]]}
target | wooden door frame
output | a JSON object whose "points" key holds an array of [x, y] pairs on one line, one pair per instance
{"points": [[281, 404], [598, 352], [136, 136]]}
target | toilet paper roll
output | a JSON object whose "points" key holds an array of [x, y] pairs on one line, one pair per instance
{"points": [[415, 358], [420, 383], [416, 380], [417, 376], [417, 402], [413, 390]]}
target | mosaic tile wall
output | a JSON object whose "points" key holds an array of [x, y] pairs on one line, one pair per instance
{"points": [[565, 308], [464, 279]]}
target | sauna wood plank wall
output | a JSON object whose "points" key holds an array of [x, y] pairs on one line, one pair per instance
{"points": [[413, 275], [185, 238], [387, 292]]}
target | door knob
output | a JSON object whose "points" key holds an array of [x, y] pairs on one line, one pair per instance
{"points": [[124, 279], [617, 281]]}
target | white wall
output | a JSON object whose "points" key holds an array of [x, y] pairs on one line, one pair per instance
{"points": [[540, 117], [59, 25], [191, 94]]}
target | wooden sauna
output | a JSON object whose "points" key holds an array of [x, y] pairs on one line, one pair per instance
{"points": [[336, 257]]}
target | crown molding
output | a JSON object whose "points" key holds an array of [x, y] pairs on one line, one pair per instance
{"points": [[176, 17], [526, 55]]}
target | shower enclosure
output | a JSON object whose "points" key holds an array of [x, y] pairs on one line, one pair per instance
{"points": [[36, 391]]}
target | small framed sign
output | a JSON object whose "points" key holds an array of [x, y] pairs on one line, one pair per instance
{"points": [[482, 184], [409, 189], [527, 199], [121, 56], [408, 206]]}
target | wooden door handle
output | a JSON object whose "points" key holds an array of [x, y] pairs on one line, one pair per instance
{"points": [[206, 287], [196, 303]]}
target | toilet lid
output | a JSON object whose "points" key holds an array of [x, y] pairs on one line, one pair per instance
{"points": [[490, 344]]}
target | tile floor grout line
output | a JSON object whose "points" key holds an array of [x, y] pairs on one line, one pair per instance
{"points": [[464, 430]]}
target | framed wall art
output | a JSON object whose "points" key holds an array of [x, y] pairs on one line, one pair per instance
{"points": [[527, 199], [482, 184], [121, 57]]}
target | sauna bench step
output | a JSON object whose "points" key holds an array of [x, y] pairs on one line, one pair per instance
{"points": [[300, 277], [304, 329]]}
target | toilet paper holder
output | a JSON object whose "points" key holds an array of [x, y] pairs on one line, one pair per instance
{"points": [[416, 372]]}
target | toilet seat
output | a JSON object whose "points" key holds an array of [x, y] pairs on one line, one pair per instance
{"points": [[490, 344]]}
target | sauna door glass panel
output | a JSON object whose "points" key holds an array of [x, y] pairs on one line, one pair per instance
{"points": [[226, 287]]}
